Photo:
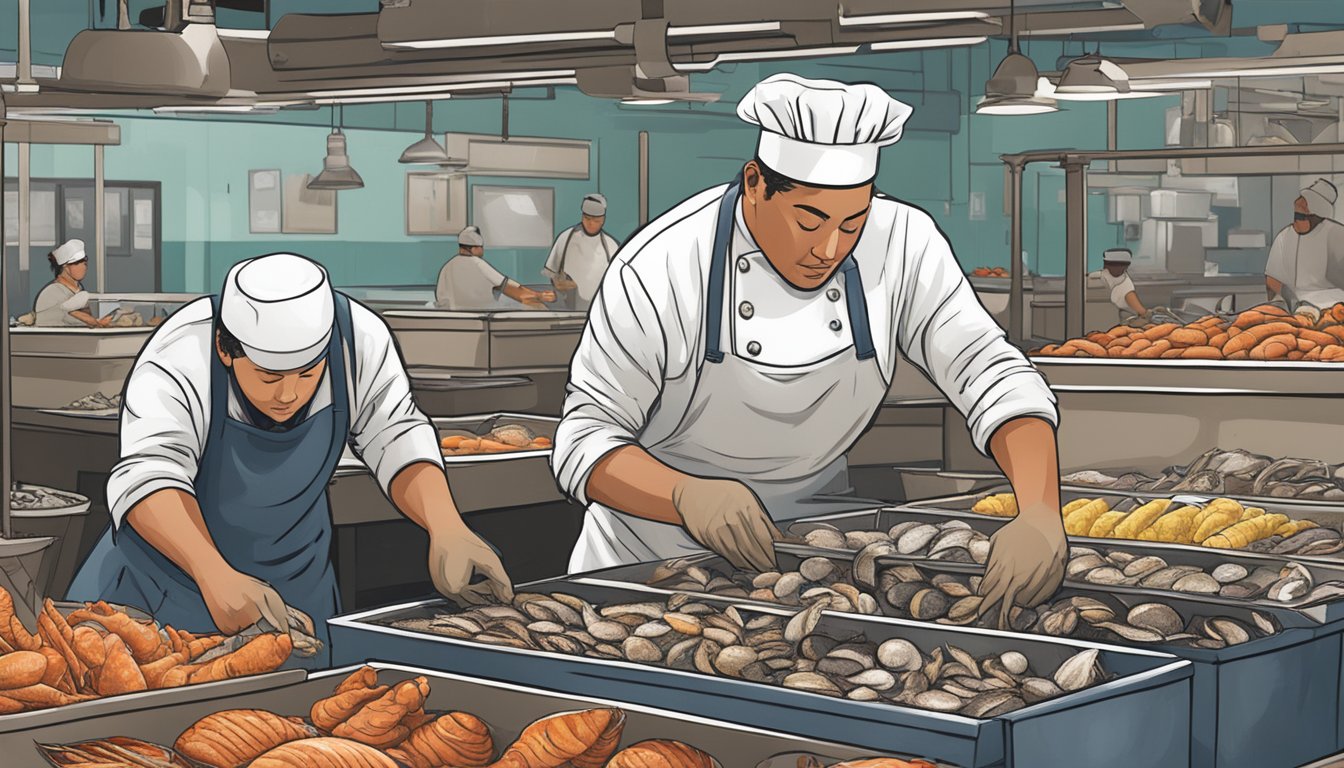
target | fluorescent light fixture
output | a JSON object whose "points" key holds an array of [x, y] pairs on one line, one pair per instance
{"points": [[1080, 30], [439, 87], [443, 91], [637, 102], [803, 53], [1046, 89], [1170, 85], [1015, 105], [496, 40], [1284, 70], [879, 19], [935, 42], [724, 29], [226, 108], [243, 34]]}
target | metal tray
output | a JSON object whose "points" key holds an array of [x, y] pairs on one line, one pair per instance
{"points": [[1190, 377], [1298, 507], [1228, 727], [1149, 696], [487, 341], [506, 708], [80, 507], [1321, 569]]}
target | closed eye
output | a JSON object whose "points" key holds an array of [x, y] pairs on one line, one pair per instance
{"points": [[850, 231], [806, 228]]}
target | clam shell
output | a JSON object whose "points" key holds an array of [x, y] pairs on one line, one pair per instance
{"points": [[1120, 558], [938, 701], [954, 555], [721, 636], [876, 679], [1228, 573], [900, 595], [899, 655], [864, 658], [1156, 617], [1081, 551], [686, 625], [963, 658], [811, 682], [1143, 566], [896, 531], [861, 539], [788, 585], [960, 691], [914, 682], [652, 630], [868, 605], [641, 649], [1165, 578], [964, 610], [1289, 589], [952, 587], [766, 580], [816, 647], [1264, 623], [1105, 575], [865, 562], [802, 624], [1014, 662], [984, 703], [1079, 566], [839, 667], [1079, 671], [1330, 590], [929, 604], [733, 659], [1060, 623], [956, 538], [817, 569], [1131, 633], [1036, 689], [705, 654], [979, 549], [916, 539], [863, 694], [1197, 583], [609, 631], [1230, 631], [825, 539], [545, 628], [563, 644]]}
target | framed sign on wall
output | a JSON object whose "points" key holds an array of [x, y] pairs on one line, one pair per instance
{"points": [[436, 203]]}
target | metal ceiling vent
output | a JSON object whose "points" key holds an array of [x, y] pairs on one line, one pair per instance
{"points": [[185, 59]]}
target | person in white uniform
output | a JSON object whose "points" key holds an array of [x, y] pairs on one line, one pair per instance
{"points": [[468, 282], [1114, 275], [63, 301], [743, 341], [1306, 260], [236, 414], [580, 255]]}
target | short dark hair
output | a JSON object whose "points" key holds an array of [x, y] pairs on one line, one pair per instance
{"points": [[230, 343], [774, 181], [55, 268]]}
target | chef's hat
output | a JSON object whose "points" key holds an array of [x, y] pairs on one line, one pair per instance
{"points": [[594, 205], [820, 132], [281, 309], [471, 236], [1117, 256], [69, 252], [1320, 197]]}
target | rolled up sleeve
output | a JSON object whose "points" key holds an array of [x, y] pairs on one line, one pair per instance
{"points": [[388, 430], [615, 379], [948, 334], [552, 267], [162, 438]]}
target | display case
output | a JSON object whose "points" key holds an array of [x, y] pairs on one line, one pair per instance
{"points": [[487, 343]]}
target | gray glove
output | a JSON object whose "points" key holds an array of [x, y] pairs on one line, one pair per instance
{"points": [[726, 517]]}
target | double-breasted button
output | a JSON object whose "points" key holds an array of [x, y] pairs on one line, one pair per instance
{"points": [[833, 294], [743, 265], [746, 310], [836, 325], [753, 348]]}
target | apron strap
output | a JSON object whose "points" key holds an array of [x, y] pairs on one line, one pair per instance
{"points": [[857, 305], [718, 264]]}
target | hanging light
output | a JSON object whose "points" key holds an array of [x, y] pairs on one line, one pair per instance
{"points": [[1090, 74], [336, 171], [1012, 89], [428, 150]]}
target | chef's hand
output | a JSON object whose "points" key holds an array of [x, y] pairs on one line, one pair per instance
{"points": [[105, 322], [1026, 564], [727, 518], [564, 284], [456, 556], [547, 297], [236, 601]]}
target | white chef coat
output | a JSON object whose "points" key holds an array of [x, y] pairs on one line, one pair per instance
{"points": [[637, 366], [1119, 288], [55, 303], [584, 258], [1311, 264], [166, 417], [470, 283]]}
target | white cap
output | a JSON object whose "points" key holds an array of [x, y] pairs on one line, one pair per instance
{"points": [[281, 308], [820, 132], [1117, 256], [594, 205], [1321, 197], [471, 236], [69, 252]]}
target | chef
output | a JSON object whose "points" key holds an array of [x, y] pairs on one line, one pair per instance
{"points": [[468, 282], [235, 415], [1306, 260], [63, 301], [1114, 275], [580, 256], [743, 341]]}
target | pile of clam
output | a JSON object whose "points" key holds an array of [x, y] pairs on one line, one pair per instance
{"points": [[950, 541], [797, 652], [816, 580], [906, 591], [1292, 583]]}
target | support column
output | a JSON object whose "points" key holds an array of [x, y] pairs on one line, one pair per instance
{"points": [[643, 178], [6, 397], [1016, 295], [24, 76], [24, 278], [100, 227], [1075, 257]]}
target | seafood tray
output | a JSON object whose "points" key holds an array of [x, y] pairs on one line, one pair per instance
{"points": [[1329, 519], [1229, 577], [487, 342], [505, 708], [1148, 692], [484, 481]]}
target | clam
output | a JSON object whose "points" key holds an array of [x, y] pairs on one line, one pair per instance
{"points": [[1079, 671], [896, 531], [979, 549], [862, 656], [1079, 566], [1131, 633], [1229, 631], [825, 539], [863, 693], [609, 631], [965, 659], [1082, 552], [720, 636], [802, 624], [682, 655], [1014, 662], [763, 622], [811, 682], [876, 679], [956, 538], [1156, 617], [733, 659], [817, 569], [964, 610], [914, 682], [705, 653], [564, 644], [900, 595], [916, 539], [938, 701], [951, 586], [861, 539], [766, 580], [865, 562], [545, 628], [1120, 558], [992, 704], [1036, 689], [1264, 623], [868, 605], [1105, 575], [1330, 590], [1227, 573], [929, 604], [839, 666], [815, 647], [641, 649], [899, 655], [1060, 623], [1165, 578], [1143, 566], [960, 691], [1092, 610], [1289, 589], [788, 585], [683, 623], [1197, 583], [652, 630]]}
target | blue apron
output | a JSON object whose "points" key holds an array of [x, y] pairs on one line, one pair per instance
{"points": [[263, 496]]}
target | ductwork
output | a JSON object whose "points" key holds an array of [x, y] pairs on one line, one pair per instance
{"points": [[191, 62]]}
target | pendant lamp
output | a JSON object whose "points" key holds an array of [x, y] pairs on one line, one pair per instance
{"points": [[336, 171], [428, 150], [1012, 89]]}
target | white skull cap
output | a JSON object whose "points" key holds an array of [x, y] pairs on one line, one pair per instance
{"points": [[1321, 197], [594, 205], [821, 132], [1117, 256], [69, 252], [471, 236], [281, 308]]}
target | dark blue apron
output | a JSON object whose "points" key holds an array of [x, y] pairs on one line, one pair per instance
{"points": [[263, 496]]}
